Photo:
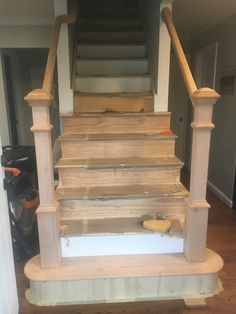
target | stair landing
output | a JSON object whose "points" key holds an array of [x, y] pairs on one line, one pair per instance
{"points": [[123, 279]]}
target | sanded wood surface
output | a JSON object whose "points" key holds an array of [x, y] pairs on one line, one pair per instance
{"points": [[123, 266], [108, 207], [118, 192], [114, 163], [116, 123], [110, 102], [123, 176], [113, 226]]}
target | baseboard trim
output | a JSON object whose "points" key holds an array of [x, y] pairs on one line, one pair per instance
{"points": [[220, 194]]}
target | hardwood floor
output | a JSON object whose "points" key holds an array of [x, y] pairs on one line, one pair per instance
{"points": [[221, 238]]}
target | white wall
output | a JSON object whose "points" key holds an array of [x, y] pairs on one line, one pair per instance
{"points": [[25, 36], [151, 17], [8, 292], [3, 109], [223, 145]]}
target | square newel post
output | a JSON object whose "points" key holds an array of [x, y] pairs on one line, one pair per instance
{"points": [[197, 207], [47, 215]]}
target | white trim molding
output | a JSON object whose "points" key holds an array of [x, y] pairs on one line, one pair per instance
{"points": [[220, 194]]}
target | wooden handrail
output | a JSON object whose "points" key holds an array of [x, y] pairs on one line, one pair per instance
{"points": [[183, 63], [48, 76]]}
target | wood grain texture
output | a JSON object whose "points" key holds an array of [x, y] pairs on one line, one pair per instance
{"points": [[183, 63], [113, 145], [118, 162], [123, 102], [106, 177], [222, 220], [126, 278], [122, 201], [124, 267], [115, 123], [112, 226], [196, 205]]}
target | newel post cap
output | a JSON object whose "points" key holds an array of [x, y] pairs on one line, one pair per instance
{"points": [[205, 93], [39, 95]]}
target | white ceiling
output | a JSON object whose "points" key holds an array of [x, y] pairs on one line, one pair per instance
{"points": [[193, 17]]}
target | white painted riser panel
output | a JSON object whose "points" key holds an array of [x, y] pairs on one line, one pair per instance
{"points": [[112, 84], [127, 66], [127, 244], [111, 51]]}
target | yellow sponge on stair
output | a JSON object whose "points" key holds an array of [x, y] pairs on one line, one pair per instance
{"points": [[157, 225]]}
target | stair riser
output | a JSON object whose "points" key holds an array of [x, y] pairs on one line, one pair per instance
{"points": [[109, 12], [111, 245], [111, 25], [112, 104], [111, 37], [79, 177], [111, 51], [112, 149], [116, 124], [172, 207], [128, 66], [112, 84]]}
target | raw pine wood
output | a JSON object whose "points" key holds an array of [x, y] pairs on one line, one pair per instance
{"points": [[121, 102], [222, 221], [48, 76], [113, 145], [48, 229], [196, 205], [170, 207], [127, 176], [48, 223], [118, 192], [122, 201], [116, 123], [111, 226], [183, 63], [117, 163], [127, 277], [40, 100]]}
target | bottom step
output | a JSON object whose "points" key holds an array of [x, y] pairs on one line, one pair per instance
{"points": [[123, 279]]}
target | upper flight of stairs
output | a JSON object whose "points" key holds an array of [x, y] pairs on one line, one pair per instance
{"points": [[111, 65]]}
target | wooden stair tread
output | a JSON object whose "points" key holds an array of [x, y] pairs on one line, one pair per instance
{"points": [[116, 114], [111, 44], [113, 226], [113, 59], [122, 192], [123, 266], [112, 75], [121, 95], [115, 136], [127, 162]]}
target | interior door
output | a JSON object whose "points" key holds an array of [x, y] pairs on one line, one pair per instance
{"points": [[8, 292]]}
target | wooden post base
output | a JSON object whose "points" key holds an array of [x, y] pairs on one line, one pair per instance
{"points": [[104, 279]]}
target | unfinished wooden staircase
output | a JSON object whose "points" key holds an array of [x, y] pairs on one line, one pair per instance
{"points": [[118, 167]]}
